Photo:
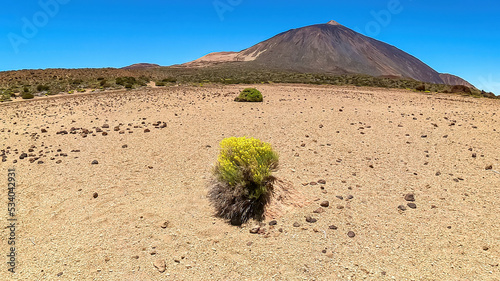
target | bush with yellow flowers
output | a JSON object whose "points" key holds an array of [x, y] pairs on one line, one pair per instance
{"points": [[243, 183]]}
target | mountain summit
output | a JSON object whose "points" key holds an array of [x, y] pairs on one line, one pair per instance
{"points": [[328, 48]]}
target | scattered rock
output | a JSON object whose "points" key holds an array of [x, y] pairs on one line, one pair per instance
{"points": [[160, 265], [165, 224], [95, 162], [321, 181], [296, 224], [310, 219], [486, 248], [402, 207], [349, 197], [273, 222], [340, 197], [489, 167], [95, 195], [255, 230], [23, 155], [105, 126], [325, 204], [333, 227], [147, 130], [124, 146], [319, 211], [412, 205], [410, 197], [351, 234]]}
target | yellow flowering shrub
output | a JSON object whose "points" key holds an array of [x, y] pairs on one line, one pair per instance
{"points": [[246, 162]]}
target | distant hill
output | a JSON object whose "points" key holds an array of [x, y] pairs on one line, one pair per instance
{"points": [[330, 48], [141, 66], [453, 80]]}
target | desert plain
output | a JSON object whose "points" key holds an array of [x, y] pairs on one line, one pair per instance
{"points": [[398, 185]]}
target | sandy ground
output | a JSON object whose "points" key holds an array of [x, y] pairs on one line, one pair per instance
{"points": [[144, 207]]}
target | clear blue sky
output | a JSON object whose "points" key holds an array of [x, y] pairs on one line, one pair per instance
{"points": [[458, 37]]}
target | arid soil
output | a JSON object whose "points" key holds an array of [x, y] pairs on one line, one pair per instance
{"points": [[140, 212]]}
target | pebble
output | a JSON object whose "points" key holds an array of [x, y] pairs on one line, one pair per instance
{"points": [[95, 162], [333, 227], [350, 197], [325, 204], [147, 130], [296, 224], [402, 207], [340, 197], [489, 167], [95, 195], [273, 222], [351, 234], [310, 219], [165, 224], [321, 181], [160, 265], [255, 230], [319, 211], [412, 205], [410, 197]]}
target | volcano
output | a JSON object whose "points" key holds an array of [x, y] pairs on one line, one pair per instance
{"points": [[329, 48]]}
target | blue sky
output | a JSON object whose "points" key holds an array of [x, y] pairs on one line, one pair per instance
{"points": [[458, 37]]}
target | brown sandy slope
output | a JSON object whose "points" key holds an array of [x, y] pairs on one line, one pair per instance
{"points": [[373, 144]]}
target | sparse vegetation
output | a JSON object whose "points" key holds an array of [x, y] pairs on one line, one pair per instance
{"points": [[249, 95], [64, 80], [27, 96], [243, 181], [42, 88], [420, 88]]}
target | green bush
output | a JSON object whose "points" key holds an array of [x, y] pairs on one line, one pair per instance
{"points": [[249, 95], [160, 84], [129, 86], [27, 96], [42, 88], [169, 80], [243, 183], [125, 81]]}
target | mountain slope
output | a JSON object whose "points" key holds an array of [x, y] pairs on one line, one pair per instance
{"points": [[329, 48], [453, 80]]}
